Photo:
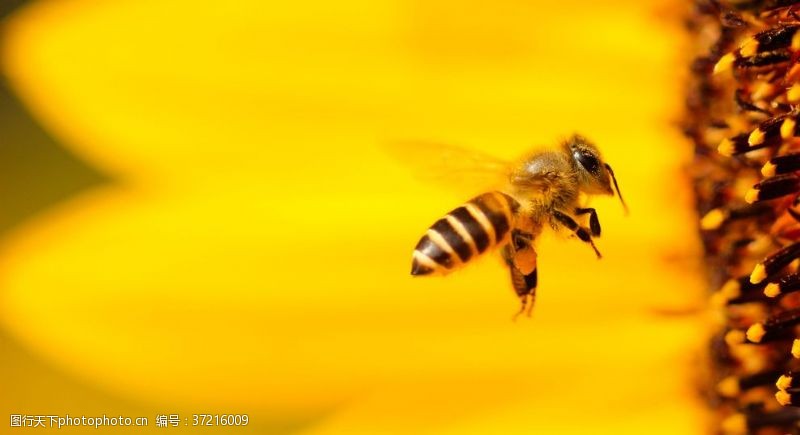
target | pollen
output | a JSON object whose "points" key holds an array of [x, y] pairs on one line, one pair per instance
{"points": [[725, 63], [729, 387], [783, 397], [713, 219], [756, 137], [784, 382], [787, 128], [796, 348], [756, 332], [768, 170], [751, 196], [796, 41], [772, 290], [793, 94], [749, 48], [735, 337], [735, 424], [759, 274]]}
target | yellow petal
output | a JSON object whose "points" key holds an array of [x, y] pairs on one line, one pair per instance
{"points": [[254, 255]]}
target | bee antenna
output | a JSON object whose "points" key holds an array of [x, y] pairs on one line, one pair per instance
{"points": [[616, 186]]}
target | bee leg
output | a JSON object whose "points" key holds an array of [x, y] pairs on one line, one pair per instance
{"points": [[520, 240], [525, 287], [582, 233], [524, 274], [594, 222]]}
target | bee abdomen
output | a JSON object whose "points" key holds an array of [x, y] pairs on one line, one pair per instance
{"points": [[466, 232]]}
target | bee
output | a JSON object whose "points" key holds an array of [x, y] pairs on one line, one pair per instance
{"points": [[542, 190]]}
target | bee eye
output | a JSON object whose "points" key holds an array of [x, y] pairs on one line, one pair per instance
{"points": [[588, 161]]}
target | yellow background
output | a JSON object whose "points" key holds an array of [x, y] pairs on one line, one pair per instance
{"points": [[249, 251]]}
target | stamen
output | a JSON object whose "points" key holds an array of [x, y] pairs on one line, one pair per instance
{"points": [[769, 169], [756, 137], [754, 420], [781, 165], [735, 424], [769, 40], [733, 385], [739, 291], [795, 41], [725, 63], [758, 379], [788, 397], [788, 128], [774, 263], [734, 337], [774, 328], [715, 218], [729, 387], [788, 284], [762, 90], [768, 131], [774, 187], [759, 274], [793, 94], [756, 333], [796, 348], [738, 145], [763, 59], [788, 380], [749, 48]]}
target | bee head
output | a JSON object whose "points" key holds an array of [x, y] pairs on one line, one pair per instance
{"points": [[594, 175]]}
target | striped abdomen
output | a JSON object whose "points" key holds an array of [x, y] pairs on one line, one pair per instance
{"points": [[481, 224]]}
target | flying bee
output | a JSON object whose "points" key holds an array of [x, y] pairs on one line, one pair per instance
{"points": [[541, 190]]}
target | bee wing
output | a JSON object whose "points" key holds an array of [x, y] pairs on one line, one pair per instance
{"points": [[463, 170]]}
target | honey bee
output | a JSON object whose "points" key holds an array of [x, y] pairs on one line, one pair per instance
{"points": [[541, 190]]}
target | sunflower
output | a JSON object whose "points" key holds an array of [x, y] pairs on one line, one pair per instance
{"points": [[225, 234]]}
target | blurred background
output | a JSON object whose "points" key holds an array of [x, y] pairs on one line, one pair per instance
{"points": [[198, 215]]}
